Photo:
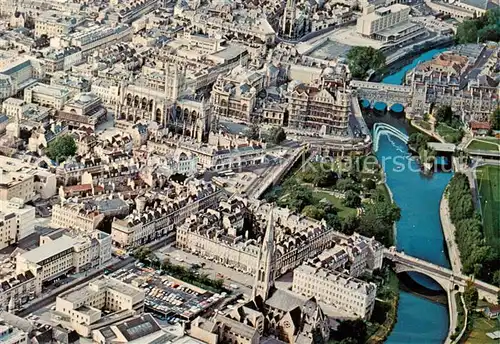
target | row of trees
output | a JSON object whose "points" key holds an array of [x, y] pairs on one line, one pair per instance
{"points": [[477, 257], [482, 29], [190, 275]]}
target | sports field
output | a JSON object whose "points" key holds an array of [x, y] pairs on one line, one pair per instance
{"points": [[488, 181]]}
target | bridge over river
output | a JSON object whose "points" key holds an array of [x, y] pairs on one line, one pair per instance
{"points": [[387, 93]]}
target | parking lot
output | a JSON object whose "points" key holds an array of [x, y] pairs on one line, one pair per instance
{"points": [[167, 298], [232, 279]]}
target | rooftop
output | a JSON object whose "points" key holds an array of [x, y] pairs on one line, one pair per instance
{"points": [[50, 249]]}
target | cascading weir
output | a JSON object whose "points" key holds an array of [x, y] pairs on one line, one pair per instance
{"points": [[386, 129]]}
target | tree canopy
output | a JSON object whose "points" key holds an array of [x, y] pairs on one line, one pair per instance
{"points": [[252, 132], [277, 135], [495, 119], [352, 331], [362, 59], [476, 256], [61, 148], [352, 199], [482, 29]]}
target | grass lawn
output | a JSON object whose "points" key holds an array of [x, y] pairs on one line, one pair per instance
{"points": [[488, 181], [343, 211], [482, 326], [483, 145], [446, 132]]}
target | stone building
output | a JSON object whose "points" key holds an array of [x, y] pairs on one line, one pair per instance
{"points": [[150, 222], [322, 109]]}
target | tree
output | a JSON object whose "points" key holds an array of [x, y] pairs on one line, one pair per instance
{"points": [[296, 196], [346, 184], [484, 28], [252, 132], [418, 141], [277, 135], [444, 114], [61, 148], [369, 184], [349, 224], [467, 32], [352, 199], [355, 329], [314, 212], [362, 59], [324, 178], [470, 296], [495, 119]]}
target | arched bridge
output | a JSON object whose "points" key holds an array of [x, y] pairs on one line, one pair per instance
{"points": [[387, 93], [386, 129], [446, 278]]}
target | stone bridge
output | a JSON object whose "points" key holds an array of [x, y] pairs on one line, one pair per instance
{"points": [[446, 278], [386, 93]]}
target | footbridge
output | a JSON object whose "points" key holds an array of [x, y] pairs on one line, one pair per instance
{"points": [[387, 93], [386, 129], [446, 278]]}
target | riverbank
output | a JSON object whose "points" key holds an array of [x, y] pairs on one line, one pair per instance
{"points": [[449, 234]]}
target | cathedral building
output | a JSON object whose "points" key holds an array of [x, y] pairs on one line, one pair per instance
{"points": [[160, 95]]}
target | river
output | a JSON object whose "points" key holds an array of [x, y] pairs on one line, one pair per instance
{"points": [[419, 231]]}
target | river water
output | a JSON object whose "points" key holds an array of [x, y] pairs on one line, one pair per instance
{"points": [[419, 231]]}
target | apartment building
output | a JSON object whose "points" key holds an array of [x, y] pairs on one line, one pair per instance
{"points": [[345, 292], [16, 289], [63, 59], [66, 251], [55, 23], [83, 307], [18, 73], [217, 234], [374, 20], [96, 37], [158, 221], [47, 95], [82, 216], [10, 333], [234, 95], [16, 221], [14, 184]]}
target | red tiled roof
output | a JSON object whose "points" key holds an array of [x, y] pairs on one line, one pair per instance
{"points": [[480, 125]]}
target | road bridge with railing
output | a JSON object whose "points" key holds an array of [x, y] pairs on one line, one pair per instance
{"points": [[446, 278]]}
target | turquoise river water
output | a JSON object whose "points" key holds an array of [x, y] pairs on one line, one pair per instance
{"points": [[419, 231]]}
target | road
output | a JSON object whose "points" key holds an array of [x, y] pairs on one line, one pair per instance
{"points": [[114, 265]]}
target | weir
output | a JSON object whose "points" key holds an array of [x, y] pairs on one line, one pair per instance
{"points": [[386, 129]]}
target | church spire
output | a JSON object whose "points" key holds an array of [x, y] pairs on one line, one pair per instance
{"points": [[264, 277]]}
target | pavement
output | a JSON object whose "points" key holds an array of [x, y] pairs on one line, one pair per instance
{"points": [[449, 235]]}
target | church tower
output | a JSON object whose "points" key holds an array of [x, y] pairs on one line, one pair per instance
{"points": [[288, 20], [264, 277]]}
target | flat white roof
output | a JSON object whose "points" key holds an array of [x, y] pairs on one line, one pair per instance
{"points": [[50, 249]]}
